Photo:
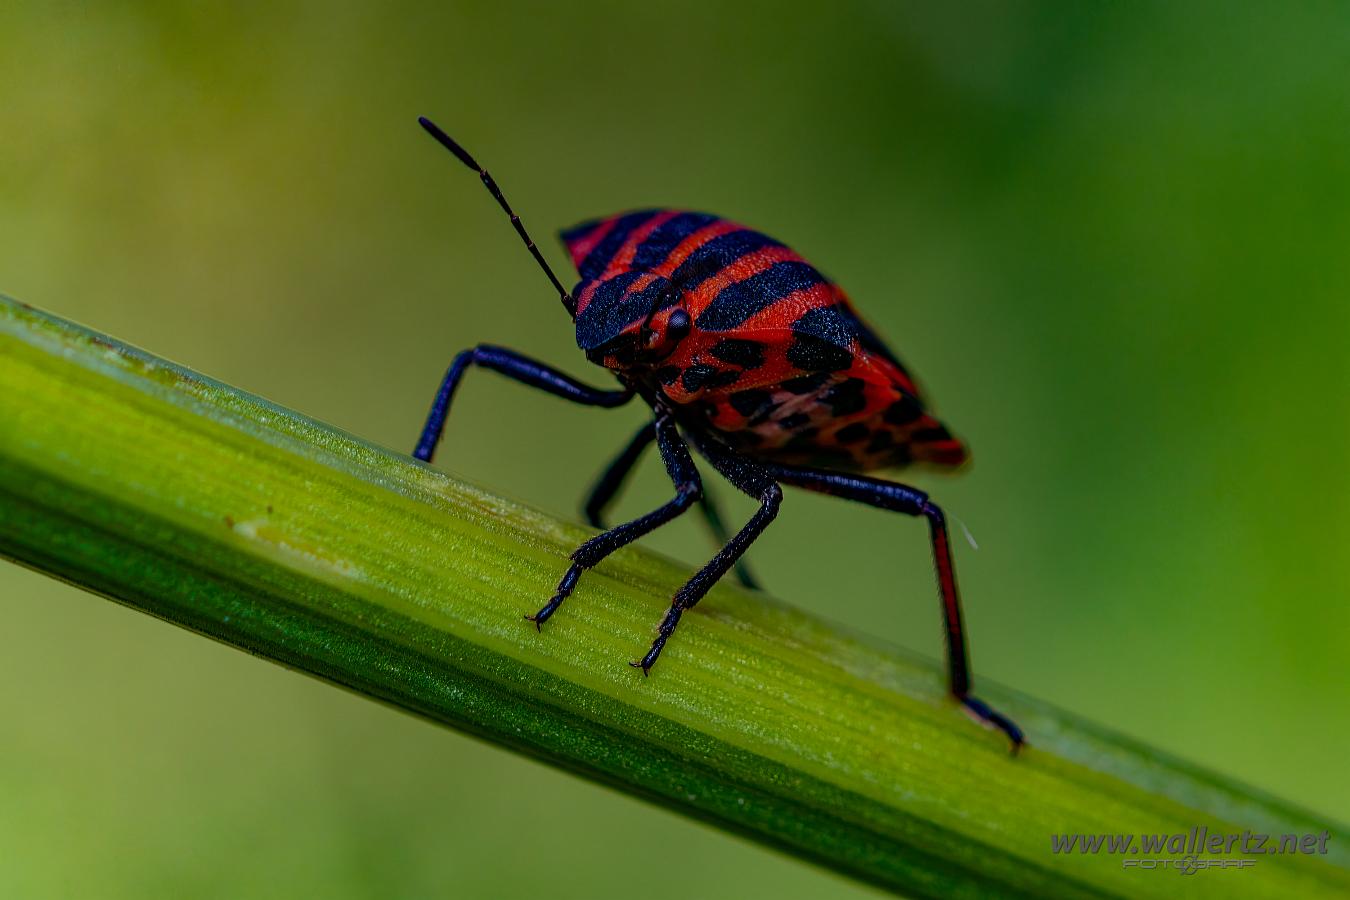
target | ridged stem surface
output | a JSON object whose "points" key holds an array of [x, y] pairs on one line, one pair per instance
{"points": [[192, 501]]}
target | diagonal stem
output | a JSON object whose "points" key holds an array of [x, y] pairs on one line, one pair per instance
{"points": [[251, 524]]}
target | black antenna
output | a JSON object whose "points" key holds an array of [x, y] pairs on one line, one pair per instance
{"points": [[463, 156]]}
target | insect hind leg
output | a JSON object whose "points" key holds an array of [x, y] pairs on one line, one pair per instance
{"points": [[902, 498]]}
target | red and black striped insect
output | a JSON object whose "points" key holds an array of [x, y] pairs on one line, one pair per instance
{"points": [[745, 352]]}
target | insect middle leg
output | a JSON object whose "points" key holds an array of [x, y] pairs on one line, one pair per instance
{"points": [[688, 489], [611, 481], [754, 480], [901, 498], [513, 365]]}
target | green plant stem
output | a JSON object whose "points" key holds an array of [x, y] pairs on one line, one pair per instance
{"points": [[197, 503]]}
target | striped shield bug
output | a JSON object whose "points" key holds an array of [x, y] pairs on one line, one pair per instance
{"points": [[745, 353]]}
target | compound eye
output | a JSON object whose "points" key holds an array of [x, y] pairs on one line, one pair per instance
{"points": [[678, 325]]}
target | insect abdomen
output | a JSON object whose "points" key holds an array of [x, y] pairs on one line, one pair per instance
{"points": [[834, 420]]}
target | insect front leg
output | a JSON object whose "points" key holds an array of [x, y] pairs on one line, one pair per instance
{"points": [[611, 481], [512, 365], [754, 480], [908, 500], [688, 489]]}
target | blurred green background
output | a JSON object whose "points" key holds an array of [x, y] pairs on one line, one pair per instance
{"points": [[1112, 240]]}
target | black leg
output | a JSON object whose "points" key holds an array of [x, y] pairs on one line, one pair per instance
{"points": [[512, 365], [611, 480], [688, 488], [900, 498], [717, 526], [754, 480]]}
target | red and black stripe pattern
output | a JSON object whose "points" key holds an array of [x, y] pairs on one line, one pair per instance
{"points": [[777, 361]]}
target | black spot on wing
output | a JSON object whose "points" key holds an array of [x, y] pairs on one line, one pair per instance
{"points": [[739, 352], [804, 440], [846, 397], [653, 251], [737, 302], [793, 421], [701, 375], [806, 384], [880, 441], [749, 402], [903, 411], [851, 434]]}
